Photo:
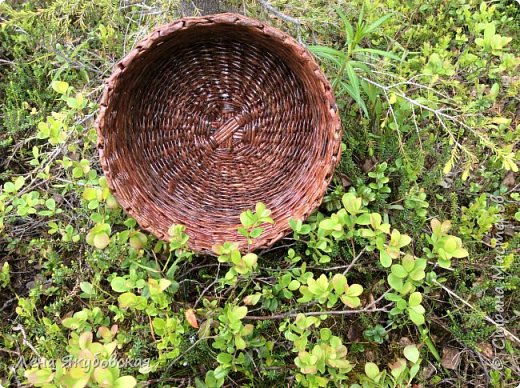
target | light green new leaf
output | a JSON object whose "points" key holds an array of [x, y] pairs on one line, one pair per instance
{"points": [[411, 353], [415, 299], [60, 87], [354, 290]]}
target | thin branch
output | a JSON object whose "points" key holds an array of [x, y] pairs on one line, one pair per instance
{"points": [[281, 15], [354, 261], [314, 313], [188, 350], [337, 267], [506, 332], [208, 287], [291, 314], [20, 328]]}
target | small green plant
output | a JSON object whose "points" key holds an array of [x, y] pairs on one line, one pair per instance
{"points": [[402, 371], [328, 292], [90, 362], [99, 235], [413, 307], [444, 246], [404, 277], [349, 60], [252, 221], [376, 334], [379, 186], [170, 331], [326, 358], [231, 340], [490, 41], [319, 362], [478, 219], [4, 275], [85, 320], [416, 200], [241, 265]]}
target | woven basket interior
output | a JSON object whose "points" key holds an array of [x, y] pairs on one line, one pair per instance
{"points": [[209, 121]]}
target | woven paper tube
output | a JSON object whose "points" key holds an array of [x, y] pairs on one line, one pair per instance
{"points": [[209, 115]]}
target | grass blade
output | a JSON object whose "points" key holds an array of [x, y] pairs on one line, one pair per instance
{"points": [[372, 27], [382, 53]]}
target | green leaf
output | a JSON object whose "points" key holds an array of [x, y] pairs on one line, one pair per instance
{"points": [[417, 274], [444, 263], [138, 241], [239, 342], [9, 187], [354, 79], [220, 373], [419, 309], [256, 232], [259, 208], [118, 284], [19, 182], [354, 290], [351, 301], [315, 287], [404, 240], [239, 312], [51, 204], [164, 284], [385, 259], [349, 30], [322, 282], [39, 377], [246, 218], [351, 91], [416, 318], [459, 253], [333, 55], [250, 259], [339, 281], [125, 382], [408, 263], [395, 282], [85, 339], [450, 244], [393, 297], [411, 353], [126, 300], [306, 295], [77, 172], [225, 358], [60, 86], [371, 370], [363, 219], [373, 26], [293, 285], [329, 224], [86, 287], [351, 203], [415, 299], [375, 220], [101, 240], [103, 377], [399, 271]]}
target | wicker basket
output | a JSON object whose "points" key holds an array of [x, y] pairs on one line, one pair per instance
{"points": [[208, 116]]}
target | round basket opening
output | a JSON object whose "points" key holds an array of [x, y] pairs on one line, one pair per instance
{"points": [[208, 116]]}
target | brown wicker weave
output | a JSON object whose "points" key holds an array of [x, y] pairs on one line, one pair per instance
{"points": [[208, 116]]}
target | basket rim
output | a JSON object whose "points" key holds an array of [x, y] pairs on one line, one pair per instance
{"points": [[164, 32]]}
